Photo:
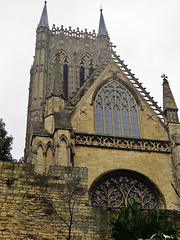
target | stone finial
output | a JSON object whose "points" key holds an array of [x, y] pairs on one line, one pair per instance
{"points": [[44, 17]]}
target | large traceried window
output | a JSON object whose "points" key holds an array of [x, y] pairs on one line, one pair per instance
{"points": [[116, 111], [117, 188]]}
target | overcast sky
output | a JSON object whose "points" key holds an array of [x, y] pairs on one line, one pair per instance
{"points": [[146, 33]]}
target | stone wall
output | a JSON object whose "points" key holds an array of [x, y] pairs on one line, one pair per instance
{"points": [[41, 207]]}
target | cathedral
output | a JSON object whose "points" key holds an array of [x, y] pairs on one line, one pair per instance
{"points": [[87, 109]]}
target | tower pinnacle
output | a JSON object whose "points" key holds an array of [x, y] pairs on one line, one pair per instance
{"points": [[169, 104], [44, 17], [102, 26]]}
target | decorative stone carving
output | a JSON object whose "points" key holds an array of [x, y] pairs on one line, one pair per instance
{"points": [[117, 189], [137, 144]]}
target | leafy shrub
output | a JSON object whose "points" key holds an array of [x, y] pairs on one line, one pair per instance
{"points": [[131, 224]]}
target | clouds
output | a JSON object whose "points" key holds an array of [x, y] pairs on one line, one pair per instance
{"points": [[146, 33]]}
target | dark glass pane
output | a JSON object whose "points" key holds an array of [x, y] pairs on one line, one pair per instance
{"points": [[99, 119], [109, 88], [111, 94], [114, 84], [65, 81], [82, 77], [108, 120], [118, 101], [99, 100], [120, 89], [117, 121], [113, 100], [134, 123], [91, 70], [131, 102], [118, 94], [106, 100], [125, 102], [102, 93], [127, 95], [125, 119]]}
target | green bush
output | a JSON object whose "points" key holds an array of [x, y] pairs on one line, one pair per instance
{"points": [[131, 224]]}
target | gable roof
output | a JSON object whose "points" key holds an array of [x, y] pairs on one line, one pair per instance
{"points": [[127, 72]]}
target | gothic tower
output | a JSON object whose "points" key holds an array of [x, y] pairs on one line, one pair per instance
{"points": [[86, 109]]}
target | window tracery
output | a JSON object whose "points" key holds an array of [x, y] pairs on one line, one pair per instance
{"points": [[118, 188], [87, 67], [116, 111]]}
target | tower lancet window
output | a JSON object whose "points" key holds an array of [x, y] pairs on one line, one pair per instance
{"points": [[87, 67], [65, 78], [82, 73], [61, 73], [116, 111]]}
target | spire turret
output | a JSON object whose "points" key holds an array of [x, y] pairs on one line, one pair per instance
{"points": [[44, 17], [102, 26], [169, 105]]}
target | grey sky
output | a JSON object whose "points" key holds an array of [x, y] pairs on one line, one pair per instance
{"points": [[146, 33]]}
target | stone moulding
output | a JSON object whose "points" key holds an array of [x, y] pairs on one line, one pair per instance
{"points": [[137, 144]]}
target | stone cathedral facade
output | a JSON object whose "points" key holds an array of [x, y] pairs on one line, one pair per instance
{"points": [[87, 109]]}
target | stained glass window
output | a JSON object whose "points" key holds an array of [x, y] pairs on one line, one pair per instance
{"points": [[116, 111]]}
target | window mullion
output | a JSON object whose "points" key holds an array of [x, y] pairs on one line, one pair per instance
{"points": [[112, 116], [120, 110], [129, 112], [104, 127]]}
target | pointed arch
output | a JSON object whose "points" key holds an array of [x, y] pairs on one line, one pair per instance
{"points": [[40, 144], [87, 50], [116, 110], [59, 56], [64, 153], [116, 188], [40, 162], [49, 145], [49, 156], [63, 138], [61, 48]]}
